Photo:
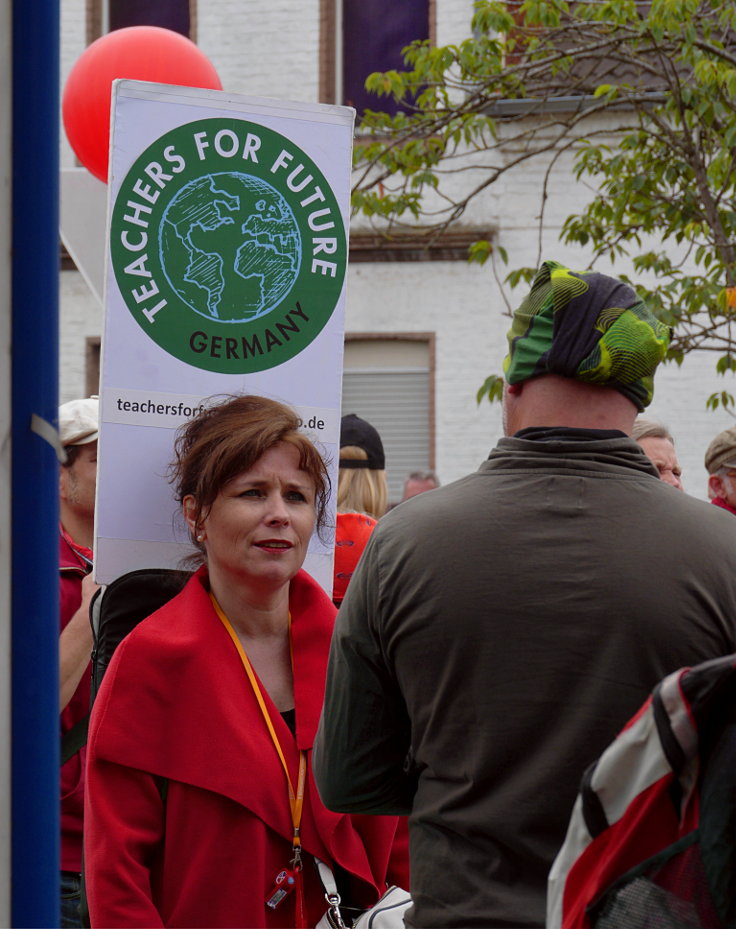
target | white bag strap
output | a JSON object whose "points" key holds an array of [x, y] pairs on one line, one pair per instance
{"points": [[327, 878], [331, 895]]}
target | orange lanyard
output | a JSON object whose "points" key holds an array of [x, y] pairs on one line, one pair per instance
{"points": [[296, 797]]}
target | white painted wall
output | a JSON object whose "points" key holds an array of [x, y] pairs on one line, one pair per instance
{"points": [[80, 316], [263, 49], [272, 50], [452, 21], [452, 300], [72, 26]]}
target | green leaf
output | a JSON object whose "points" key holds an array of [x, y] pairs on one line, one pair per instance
{"points": [[491, 389], [726, 363], [480, 251], [720, 398]]}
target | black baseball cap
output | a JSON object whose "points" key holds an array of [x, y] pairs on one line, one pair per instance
{"points": [[356, 431]]}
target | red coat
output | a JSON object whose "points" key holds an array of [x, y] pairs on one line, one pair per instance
{"points": [[72, 570], [176, 704]]}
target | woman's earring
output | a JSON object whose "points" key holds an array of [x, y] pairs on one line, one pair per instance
{"points": [[200, 537]]}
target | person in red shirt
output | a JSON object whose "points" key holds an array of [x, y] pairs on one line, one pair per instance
{"points": [[419, 482], [362, 496], [720, 461], [78, 425]]}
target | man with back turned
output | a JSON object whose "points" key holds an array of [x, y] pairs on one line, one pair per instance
{"points": [[499, 631]]}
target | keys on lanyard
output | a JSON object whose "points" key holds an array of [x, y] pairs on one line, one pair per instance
{"points": [[287, 879], [284, 882]]}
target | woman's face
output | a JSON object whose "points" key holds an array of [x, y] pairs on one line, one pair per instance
{"points": [[258, 528]]}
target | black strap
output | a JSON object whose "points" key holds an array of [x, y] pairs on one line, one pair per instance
{"points": [[673, 750], [594, 814], [74, 739]]}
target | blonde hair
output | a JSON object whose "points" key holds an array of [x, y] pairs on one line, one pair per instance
{"points": [[361, 490]]}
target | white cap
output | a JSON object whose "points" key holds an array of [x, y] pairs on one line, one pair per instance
{"points": [[79, 421]]}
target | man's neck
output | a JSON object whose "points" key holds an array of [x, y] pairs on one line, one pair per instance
{"points": [[81, 530], [551, 400]]}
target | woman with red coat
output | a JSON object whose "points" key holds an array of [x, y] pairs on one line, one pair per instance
{"points": [[201, 807]]}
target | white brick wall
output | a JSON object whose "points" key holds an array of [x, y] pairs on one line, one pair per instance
{"points": [[73, 41], [450, 299], [452, 21], [263, 49], [80, 316]]}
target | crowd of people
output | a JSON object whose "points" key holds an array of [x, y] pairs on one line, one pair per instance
{"points": [[427, 722]]}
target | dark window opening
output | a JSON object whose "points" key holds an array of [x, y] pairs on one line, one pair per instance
{"points": [[169, 14], [373, 37]]}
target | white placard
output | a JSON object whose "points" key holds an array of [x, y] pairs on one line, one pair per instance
{"points": [[226, 260]]}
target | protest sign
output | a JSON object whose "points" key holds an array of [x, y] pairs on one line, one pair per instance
{"points": [[228, 227]]}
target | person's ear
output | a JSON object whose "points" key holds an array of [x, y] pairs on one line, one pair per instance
{"points": [[189, 509], [511, 394], [715, 485]]}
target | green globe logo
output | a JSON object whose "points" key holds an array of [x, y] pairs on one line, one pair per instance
{"points": [[230, 246]]}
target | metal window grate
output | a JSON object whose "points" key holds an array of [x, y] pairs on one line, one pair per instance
{"points": [[397, 404]]}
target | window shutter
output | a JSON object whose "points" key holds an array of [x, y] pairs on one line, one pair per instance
{"points": [[396, 402]]}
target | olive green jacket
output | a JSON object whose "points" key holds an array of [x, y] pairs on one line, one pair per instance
{"points": [[496, 635]]}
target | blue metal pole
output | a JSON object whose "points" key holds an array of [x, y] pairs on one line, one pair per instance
{"points": [[35, 552]]}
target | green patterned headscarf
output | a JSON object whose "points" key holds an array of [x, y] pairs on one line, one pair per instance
{"points": [[589, 327]]}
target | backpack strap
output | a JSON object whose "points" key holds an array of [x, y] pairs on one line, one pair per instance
{"points": [[135, 596], [74, 739]]}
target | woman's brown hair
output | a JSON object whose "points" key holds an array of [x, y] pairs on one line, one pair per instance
{"points": [[228, 438]]}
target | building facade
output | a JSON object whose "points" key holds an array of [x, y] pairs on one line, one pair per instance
{"points": [[423, 327]]}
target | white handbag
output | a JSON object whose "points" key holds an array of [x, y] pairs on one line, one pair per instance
{"points": [[387, 913]]}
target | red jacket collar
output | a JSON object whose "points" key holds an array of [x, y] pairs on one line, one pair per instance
{"points": [[183, 707], [723, 504], [72, 556]]}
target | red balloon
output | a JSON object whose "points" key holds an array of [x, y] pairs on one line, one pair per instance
{"points": [[141, 53]]}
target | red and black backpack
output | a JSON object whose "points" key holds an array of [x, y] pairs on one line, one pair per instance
{"points": [[651, 843]]}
